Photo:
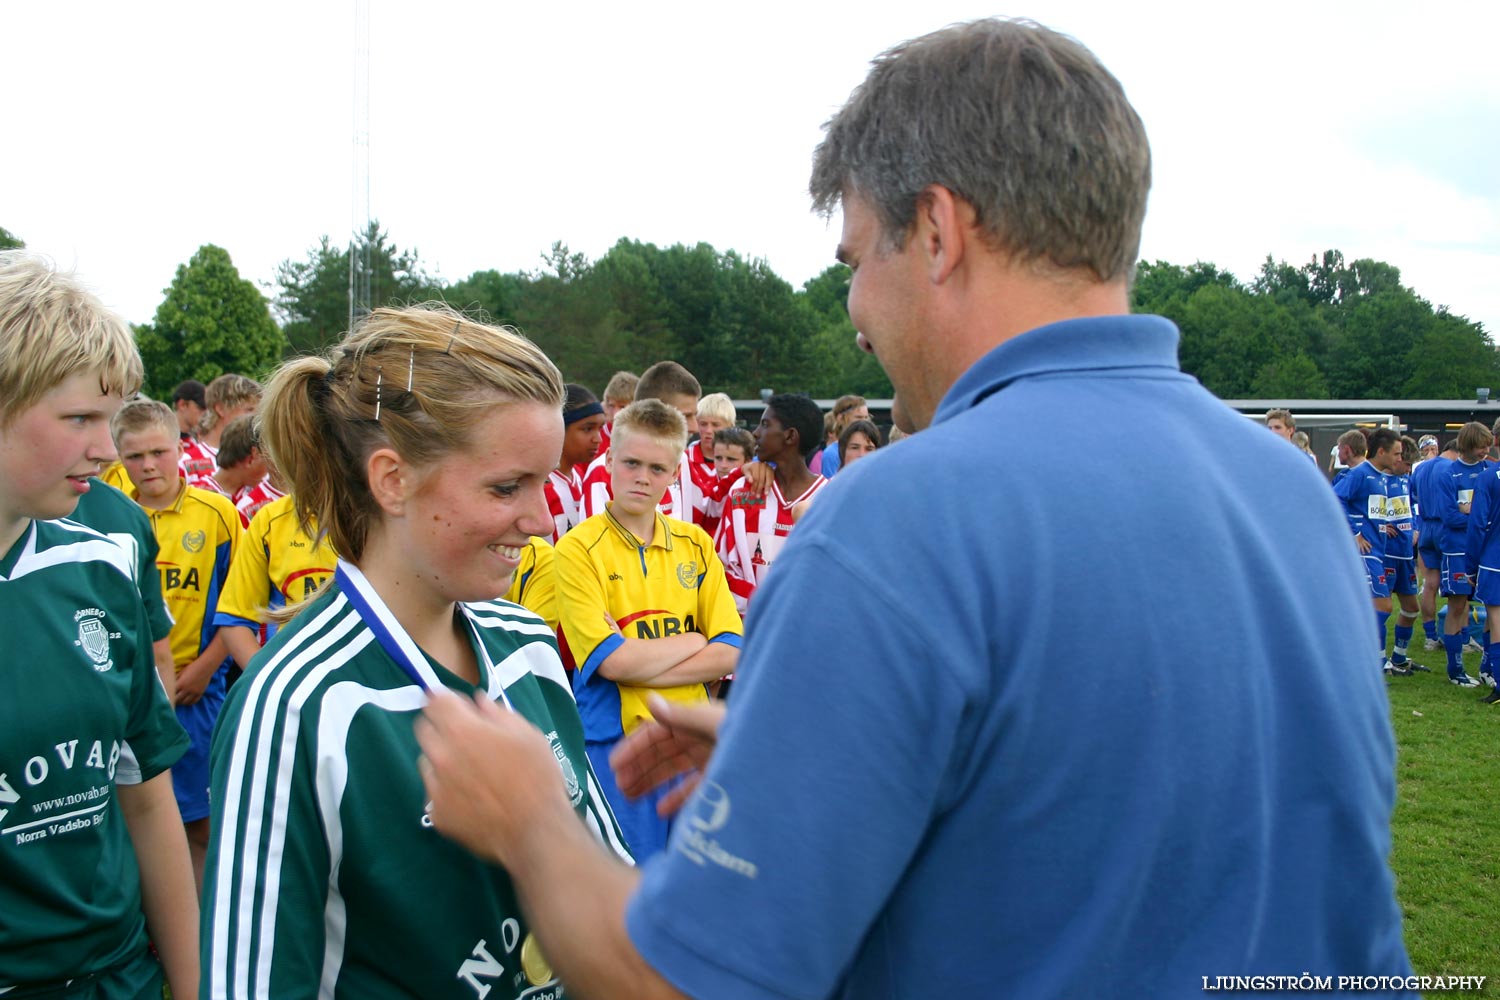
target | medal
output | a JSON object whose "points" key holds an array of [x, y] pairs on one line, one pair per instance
{"points": [[534, 963]]}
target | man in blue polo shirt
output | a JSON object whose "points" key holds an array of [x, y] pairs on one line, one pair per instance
{"points": [[957, 816]]}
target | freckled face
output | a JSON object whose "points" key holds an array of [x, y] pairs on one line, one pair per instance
{"points": [[469, 520]]}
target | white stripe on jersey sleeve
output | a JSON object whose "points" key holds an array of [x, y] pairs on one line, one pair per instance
{"points": [[516, 617], [281, 796], [92, 547], [340, 704], [265, 687], [602, 819]]}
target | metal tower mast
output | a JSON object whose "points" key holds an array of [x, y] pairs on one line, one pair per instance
{"points": [[360, 263]]}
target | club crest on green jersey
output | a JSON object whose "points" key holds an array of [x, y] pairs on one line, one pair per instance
{"points": [[570, 775], [687, 575], [193, 540], [94, 636]]}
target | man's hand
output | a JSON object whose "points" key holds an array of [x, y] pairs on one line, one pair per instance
{"points": [[490, 775], [1363, 543], [680, 740]]}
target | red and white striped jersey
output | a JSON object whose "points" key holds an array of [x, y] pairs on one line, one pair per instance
{"points": [[563, 493], [198, 463], [253, 498], [751, 534]]}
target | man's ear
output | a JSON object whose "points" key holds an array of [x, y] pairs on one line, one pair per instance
{"points": [[942, 227], [390, 480]]}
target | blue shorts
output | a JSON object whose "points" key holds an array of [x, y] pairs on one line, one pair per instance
{"points": [[1427, 546], [645, 832], [1456, 578], [1401, 575], [1375, 576], [190, 773], [1487, 586]]}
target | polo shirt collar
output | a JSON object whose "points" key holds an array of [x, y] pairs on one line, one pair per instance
{"points": [[661, 538], [1073, 345], [134, 493]]}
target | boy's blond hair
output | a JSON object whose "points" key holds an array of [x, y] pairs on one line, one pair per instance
{"points": [[655, 420], [621, 387], [142, 415], [52, 328], [229, 391], [718, 406]]}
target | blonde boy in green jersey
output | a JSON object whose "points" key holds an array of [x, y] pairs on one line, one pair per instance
{"points": [[643, 604], [92, 854], [199, 532]]}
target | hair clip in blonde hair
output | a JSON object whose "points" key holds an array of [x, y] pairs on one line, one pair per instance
{"points": [[379, 377], [452, 336], [411, 366]]}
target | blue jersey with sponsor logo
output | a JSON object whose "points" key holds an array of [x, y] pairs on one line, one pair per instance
{"points": [[1363, 492], [1452, 490]]}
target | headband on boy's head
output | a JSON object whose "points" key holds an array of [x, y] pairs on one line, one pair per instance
{"points": [[571, 417]]}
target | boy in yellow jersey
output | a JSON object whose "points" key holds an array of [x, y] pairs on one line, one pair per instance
{"points": [[199, 532], [277, 565], [643, 604]]}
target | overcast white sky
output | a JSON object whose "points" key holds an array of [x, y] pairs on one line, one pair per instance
{"points": [[137, 132]]}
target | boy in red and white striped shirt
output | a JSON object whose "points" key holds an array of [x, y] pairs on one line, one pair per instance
{"points": [[755, 526]]}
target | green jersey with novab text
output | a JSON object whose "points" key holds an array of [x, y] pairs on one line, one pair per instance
{"points": [[325, 875], [81, 710]]}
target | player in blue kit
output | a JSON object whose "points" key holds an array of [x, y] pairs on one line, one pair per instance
{"points": [[1400, 557], [1453, 489], [1429, 530], [1483, 550], [1363, 491]]}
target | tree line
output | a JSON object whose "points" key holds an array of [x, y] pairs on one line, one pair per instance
{"points": [[1325, 329]]}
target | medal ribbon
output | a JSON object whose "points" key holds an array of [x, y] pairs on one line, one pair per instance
{"points": [[394, 639]]}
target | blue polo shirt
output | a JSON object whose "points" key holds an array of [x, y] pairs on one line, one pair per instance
{"points": [[1133, 744]]}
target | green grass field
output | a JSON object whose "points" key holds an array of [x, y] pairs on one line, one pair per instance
{"points": [[1446, 831]]}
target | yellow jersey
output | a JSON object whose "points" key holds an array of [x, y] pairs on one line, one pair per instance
{"points": [[673, 585], [277, 565], [534, 586], [199, 535]]}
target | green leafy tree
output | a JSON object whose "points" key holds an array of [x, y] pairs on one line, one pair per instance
{"points": [[1290, 377], [836, 365], [1451, 359], [10, 241], [312, 295], [211, 322]]}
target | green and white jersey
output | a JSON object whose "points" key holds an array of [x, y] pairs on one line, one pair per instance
{"points": [[107, 509], [81, 710], [325, 877]]}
